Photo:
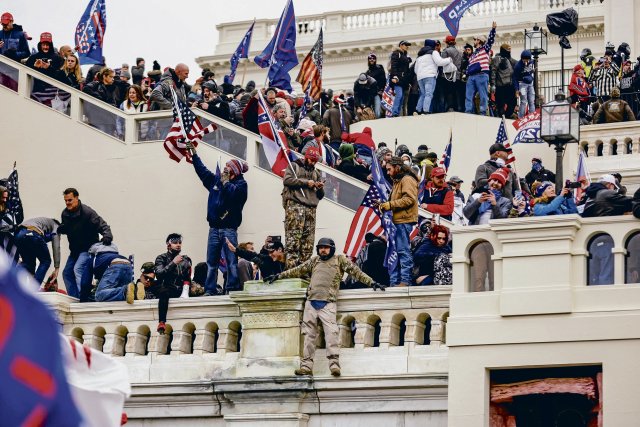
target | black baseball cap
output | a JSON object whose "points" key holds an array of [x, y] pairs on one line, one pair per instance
{"points": [[404, 42], [498, 147]]}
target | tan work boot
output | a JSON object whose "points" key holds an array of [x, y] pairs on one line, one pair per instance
{"points": [[131, 292], [335, 371], [140, 291], [303, 371]]}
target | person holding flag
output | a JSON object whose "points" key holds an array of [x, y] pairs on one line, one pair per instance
{"points": [[227, 196], [241, 52], [403, 202]]}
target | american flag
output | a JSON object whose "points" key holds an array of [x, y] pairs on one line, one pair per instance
{"points": [[446, 156], [310, 75], [273, 138], [388, 96], [366, 220], [90, 33], [305, 101], [501, 138], [183, 118], [48, 93]]}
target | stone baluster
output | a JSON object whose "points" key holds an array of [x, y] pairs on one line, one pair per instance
{"points": [[114, 344], [204, 342], [389, 334], [136, 344], [435, 335], [158, 343], [344, 336], [414, 334], [635, 146], [94, 341], [622, 147], [227, 341], [181, 343], [592, 149], [364, 335], [606, 148]]}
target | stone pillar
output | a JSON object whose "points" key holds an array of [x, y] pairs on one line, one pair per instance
{"points": [[181, 343], [271, 315], [364, 335], [94, 341], [413, 335], [136, 344], [435, 334], [113, 344], [592, 150], [158, 343], [204, 342]]}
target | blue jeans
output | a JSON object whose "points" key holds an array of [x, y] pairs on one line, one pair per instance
{"points": [[377, 106], [527, 97], [397, 101], [217, 246], [427, 87], [403, 271], [478, 83], [72, 273], [114, 281], [32, 247]]}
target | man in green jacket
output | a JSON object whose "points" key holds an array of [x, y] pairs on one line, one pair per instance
{"points": [[326, 270]]}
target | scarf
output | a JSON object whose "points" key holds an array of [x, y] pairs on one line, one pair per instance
{"points": [[485, 206]]}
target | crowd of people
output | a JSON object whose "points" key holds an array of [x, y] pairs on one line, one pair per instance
{"points": [[439, 80]]}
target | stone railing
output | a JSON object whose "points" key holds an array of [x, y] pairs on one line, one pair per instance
{"points": [[256, 333], [545, 265], [562, 4], [611, 139]]}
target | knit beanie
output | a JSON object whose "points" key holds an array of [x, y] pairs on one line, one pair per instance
{"points": [[500, 175], [237, 167], [312, 153]]}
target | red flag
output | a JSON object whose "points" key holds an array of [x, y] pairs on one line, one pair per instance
{"points": [[273, 139]]}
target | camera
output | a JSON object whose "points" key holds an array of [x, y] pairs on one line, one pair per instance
{"points": [[570, 184]]}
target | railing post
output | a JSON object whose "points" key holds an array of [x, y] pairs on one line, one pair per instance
{"points": [[94, 341], [204, 342], [136, 344], [130, 129], [24, 83]]}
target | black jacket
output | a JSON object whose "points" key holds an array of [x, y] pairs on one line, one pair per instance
{"points": [[82, 228], [541, 176], [101, 91], [354, 170], [169, 275], [636, 204], [399, 67], [268, 267], [55, 61], [219, 108], [377, 72], [68, 79], [604, 202]]}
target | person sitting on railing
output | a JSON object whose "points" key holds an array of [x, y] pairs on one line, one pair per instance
{"points": [[70, 73], [113, 273], [426, 254], [603, 198], [13, 41], [102, 88], [488, 201], [147, 281], [212, 102], [546, 202], [45, 60], [161, 98], [614, 110], [270, 260], [173, 272]]}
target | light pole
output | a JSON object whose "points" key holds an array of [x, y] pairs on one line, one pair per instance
{"points": [[535, 41], [559, 125]]}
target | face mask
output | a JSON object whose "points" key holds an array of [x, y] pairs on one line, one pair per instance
{"points": [[407, 162], [500, 162], [536, 167]]}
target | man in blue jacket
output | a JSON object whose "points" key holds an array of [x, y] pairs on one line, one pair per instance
{"points": [[13, 42], [523, 82], [227, 196]]}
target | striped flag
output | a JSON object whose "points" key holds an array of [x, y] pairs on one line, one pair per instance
{"points": [[303, 110], [366, 220], [388, 96], [501, 138], [14, 204], [183, 119], [273, 138], [310, 75], [47, 93], [446, 156], [90, 33]]}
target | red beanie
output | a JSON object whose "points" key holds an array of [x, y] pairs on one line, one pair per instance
{"points": [[500, 175]]}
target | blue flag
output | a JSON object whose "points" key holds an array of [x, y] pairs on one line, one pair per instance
{"points": [[33, 389], [90, 33], [280, 54], [453, 13], [383, 187], [241, 52]]}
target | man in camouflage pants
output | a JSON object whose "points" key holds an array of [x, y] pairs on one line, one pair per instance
{"points": [[326, 270], [303, 190]]}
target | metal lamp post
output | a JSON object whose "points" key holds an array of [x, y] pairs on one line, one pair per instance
{"points": [[536, 41], [559, 125]]}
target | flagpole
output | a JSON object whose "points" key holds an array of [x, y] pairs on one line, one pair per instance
{"points": [[515, 171], [175, 105], [244, 71]]}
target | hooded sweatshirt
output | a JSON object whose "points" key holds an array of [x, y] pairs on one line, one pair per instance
{"points": [[523, 73], [161, 98], [429, 60]]}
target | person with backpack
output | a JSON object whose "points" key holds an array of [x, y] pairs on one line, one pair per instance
{"points": [[502, 67]]}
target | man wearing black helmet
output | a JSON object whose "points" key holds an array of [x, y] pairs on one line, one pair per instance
{"points": [[326, 270], [586, 60], [173, 273]]}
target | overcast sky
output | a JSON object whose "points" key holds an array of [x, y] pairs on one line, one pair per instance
{"points": [[169, 31]]}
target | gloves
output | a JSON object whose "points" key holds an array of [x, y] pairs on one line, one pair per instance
{"points": [[376, 286], [384, 206], [271, 278], [106, 240]]}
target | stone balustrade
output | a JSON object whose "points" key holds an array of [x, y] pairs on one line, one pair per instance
{"points": [[256, 332], [611, 139]]}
